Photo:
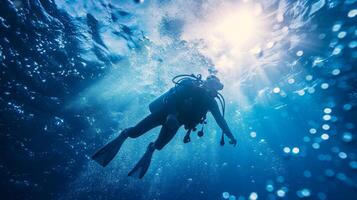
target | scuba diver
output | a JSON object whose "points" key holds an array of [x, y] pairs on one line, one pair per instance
{"points": [[187, 104]]}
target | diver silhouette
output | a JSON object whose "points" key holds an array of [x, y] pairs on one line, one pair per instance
{"points": [[187, 104]]}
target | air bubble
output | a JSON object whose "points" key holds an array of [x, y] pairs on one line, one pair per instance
{"points": [[324, 86], [253, 196], [286, 150], [253, 134], [325, 136], [295, 150], [276, 90], [327, 110], [342, 34], [336, 72], [352, 13], [225, 195], [299, 53]]}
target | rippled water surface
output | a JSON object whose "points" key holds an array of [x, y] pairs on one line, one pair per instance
{"points": [[74, 73]]}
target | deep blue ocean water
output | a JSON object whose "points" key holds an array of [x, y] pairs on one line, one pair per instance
{"points": [[74, 73]]}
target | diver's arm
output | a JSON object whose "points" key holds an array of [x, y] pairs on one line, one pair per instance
{"points": [[220, 120]]}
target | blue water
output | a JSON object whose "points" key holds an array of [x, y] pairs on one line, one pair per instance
{"points": [[75, 73]]}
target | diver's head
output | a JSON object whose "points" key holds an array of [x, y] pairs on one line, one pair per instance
{"points": [[212, 83]]}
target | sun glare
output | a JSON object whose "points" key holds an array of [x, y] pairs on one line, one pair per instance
{"points": [[236, 28]]}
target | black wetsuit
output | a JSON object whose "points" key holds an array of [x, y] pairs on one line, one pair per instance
{"points": [[185, 105]]}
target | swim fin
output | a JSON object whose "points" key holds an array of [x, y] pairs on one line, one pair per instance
{"points": [[108, 152], [143, 165]]}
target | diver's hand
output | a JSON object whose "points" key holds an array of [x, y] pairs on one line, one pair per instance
{"points": [[233, 141]]}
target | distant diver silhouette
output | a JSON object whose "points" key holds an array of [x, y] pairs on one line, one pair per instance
{"points": [[187, 103]]}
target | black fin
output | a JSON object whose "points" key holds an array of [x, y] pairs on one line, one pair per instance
{"points": [[143, 165], [108, 152]]}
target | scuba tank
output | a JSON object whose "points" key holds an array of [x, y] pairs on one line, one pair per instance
{"points": [[161, 102], [168, 98]]}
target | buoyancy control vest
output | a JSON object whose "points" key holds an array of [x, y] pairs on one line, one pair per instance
{"points": [[189, 101]]}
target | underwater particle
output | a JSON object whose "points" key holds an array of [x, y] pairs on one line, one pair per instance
{"points": [[225, 195], [332, 3], [299, 53], [318, 61], [352, 44], [317, 6], [329, 173], [280, 193], [295, 150], [324, 86], [333, 43], [326, 127], [341, 176], [253, 134], [276, 90], [353, 164], [336, 27], [291, 80], [342, 155], [327, 110], [283, 94], [232, 197], [325, 136], [326, 117], [334, 118], [270, 45], [348, 2], [253, 196], [336, 72], [352, 13], [337, 50], [305, 192], [269, 187], [313, 130], [347, 137], [309, 77], [347, 106], [301, 92], [306, 139], [307, 173], [341, 34], [322, 36], [316, 145], [286, 150]]}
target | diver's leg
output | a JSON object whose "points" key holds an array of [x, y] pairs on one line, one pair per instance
{"points": [[167, 132], [108, 152], [148, 123]]}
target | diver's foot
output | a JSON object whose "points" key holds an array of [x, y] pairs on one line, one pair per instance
{"points": [[108, 152], [143, 165]]}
